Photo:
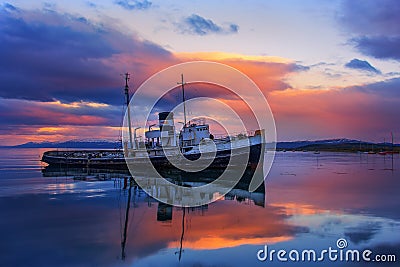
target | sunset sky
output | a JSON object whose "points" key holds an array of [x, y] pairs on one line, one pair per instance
{"points": [[329, 69]]}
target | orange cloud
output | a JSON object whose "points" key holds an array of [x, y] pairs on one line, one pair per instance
{"points": [[267, 72]]}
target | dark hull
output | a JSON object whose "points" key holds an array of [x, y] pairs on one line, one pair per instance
{"points": [[221, 160], [64, 159]]}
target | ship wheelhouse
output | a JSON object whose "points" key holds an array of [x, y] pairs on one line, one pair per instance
{"points": [[190, 135], [194, 134]]}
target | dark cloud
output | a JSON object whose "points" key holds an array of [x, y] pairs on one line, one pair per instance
{"points": [[374, 26], [388, 89], [379, 46], [91, 4], [369, 17], [24, 112], [134, 4], [199, 25], [9, 7], [298, 67], [361, 65], [47, 55], [234, 28]]}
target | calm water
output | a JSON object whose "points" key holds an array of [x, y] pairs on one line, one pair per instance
{"points": [[310, 201]]}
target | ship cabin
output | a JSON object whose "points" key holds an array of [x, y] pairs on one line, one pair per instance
{"points": [[193, 134]]}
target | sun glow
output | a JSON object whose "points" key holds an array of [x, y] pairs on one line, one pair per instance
{"points": [[50, 129], [78, 104]]}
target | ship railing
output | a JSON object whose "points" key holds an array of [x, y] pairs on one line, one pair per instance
{"points": [[84, 153], [234, 135]]}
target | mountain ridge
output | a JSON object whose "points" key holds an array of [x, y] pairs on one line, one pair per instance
{"points": [[323, 144], [74, 143]]}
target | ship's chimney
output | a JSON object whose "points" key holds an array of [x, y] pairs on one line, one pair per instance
{"points": [[166, 121]]}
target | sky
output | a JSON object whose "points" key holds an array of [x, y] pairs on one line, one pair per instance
{"points": [[328, 69]]}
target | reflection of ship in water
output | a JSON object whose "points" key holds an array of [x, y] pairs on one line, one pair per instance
{"points": [[131, 195], [78, 173], [163, 190], [165, 212]]}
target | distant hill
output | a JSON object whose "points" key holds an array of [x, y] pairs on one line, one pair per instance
{"points": [[85, 143], [302, 144], [336, 145]]}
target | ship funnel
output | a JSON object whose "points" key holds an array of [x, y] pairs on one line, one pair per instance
{"points": [[166, 121]]}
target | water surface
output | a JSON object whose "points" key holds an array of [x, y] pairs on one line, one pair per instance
{"points": [[310, 201]]}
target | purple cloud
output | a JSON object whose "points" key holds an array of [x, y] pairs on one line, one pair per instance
{"points": [[8, 7], [379, 46], [198, 25], [298, 67], [374, 25], [362, 65], [369, 17], [69, 59], [24, 112], [134, 4], [388, 89]]}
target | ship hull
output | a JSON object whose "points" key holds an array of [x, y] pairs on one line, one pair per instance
{"points": [[88, 159], [94, 159]]}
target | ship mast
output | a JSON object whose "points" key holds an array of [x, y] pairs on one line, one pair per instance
{"points": [[128, 205], [182, 83], [127, 78]]}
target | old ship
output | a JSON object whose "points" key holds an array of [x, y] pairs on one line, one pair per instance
{"points": [[167, 148]]}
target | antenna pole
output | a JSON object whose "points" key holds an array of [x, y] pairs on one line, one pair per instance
{"points": [[182, 83], [127, 78]]}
